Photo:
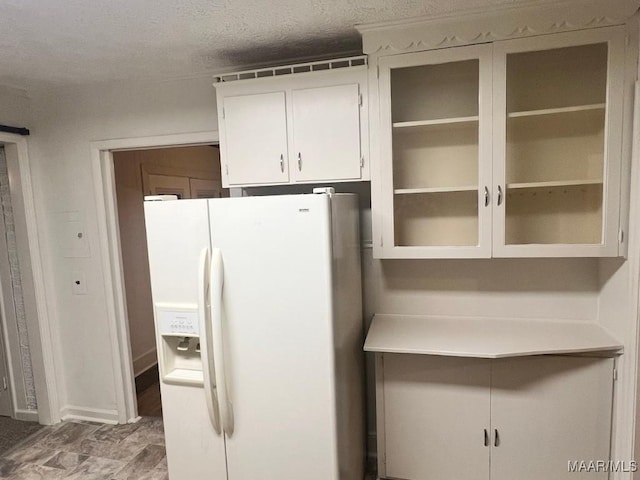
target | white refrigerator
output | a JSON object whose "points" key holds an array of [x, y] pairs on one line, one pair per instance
{"points": [[259, 330]]}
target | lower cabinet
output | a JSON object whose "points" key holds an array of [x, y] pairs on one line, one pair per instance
{"points": [[524, 418]]}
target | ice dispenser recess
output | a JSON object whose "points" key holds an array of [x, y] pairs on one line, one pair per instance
{"points": [[179, 339]]}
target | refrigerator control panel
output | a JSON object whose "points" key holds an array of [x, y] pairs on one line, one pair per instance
{"points": [[177, 319]]}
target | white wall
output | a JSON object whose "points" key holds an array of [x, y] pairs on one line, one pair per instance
{"points": [[15, 107], [65, 122]]}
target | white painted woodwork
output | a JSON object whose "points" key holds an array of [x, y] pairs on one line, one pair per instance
{"points": [[550, 157], [489, 25], [326, 133], [435, 114], [548, 411], [485, 337], [255, 139], [435, 413], [323, 124], [538, 412]]}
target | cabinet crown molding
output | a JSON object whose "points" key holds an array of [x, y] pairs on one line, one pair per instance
{"points": [[426, 33]]}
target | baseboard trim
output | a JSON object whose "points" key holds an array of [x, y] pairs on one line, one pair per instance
{"points": [[145, 361], [27, 415], [72, 412]]}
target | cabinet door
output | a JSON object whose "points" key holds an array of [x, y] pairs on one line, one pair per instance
{"points": [[549, 411], [557, 145], [326, 133], [436, 410], [435, 176], [255, 146]]}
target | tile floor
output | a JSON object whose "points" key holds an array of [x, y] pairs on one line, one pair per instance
{"points": [[89, 451]]}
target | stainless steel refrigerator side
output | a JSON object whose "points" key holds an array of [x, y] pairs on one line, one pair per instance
{"points": [[348, 335]]}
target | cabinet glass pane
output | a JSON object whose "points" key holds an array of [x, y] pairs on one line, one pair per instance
{"points": [[556, 104], [435, 154], [436, 219]]}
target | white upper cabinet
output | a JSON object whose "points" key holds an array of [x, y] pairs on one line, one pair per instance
{"points": [[295, 127], [435, 109], [557, 144], [326, 133], [507, 149], [256, 138]]}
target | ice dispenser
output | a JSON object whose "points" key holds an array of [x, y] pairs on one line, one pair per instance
{"points": [[179, 344]]}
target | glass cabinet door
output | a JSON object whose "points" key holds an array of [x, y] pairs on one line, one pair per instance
{"points": [[438, 179], [552, 187]]}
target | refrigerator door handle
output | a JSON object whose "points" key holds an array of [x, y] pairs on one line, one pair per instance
{"points": [[216, 279], [206, 353]]}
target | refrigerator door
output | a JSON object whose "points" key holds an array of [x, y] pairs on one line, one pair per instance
{"points": [[177, 234], [277, 321]]}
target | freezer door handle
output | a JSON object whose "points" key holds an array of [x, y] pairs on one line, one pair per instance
{"points": [[215, 294], [206, 353]]}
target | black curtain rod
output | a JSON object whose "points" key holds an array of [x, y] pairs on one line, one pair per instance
{"points": [[18, 130]]}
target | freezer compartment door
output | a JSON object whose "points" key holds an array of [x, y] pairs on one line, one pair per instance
{"points": [[277, 324], [194, 449]]}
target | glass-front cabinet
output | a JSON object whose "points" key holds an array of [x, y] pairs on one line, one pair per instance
{"points": [[557, 149], [438, 184], [504, 149]]}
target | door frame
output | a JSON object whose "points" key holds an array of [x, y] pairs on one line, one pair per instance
{"points": [[111, 254], [39, 323]]}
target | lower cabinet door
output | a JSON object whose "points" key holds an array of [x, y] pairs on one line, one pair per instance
{"points": [[436, 410], [550, 412]]}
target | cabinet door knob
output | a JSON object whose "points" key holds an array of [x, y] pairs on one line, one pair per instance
{"points": [[499, 195], [486, 196], [299, 161], [486, 438], [282, 163], [496, 438]]}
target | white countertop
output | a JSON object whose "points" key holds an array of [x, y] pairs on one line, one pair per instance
{"points": [[485, 337]]}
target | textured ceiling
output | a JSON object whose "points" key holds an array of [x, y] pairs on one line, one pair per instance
{"points": [[47, 43]]}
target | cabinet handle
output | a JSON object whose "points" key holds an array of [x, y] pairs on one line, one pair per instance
{"points": [[299, 161], [282, 163], [496, 438], [486, 197], [486, 438], [499, 195]]}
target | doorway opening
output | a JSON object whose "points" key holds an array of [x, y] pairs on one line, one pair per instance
{"points": [[187, 172]]}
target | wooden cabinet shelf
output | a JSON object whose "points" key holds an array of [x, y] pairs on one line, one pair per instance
{"points": [[553, 184], [558, 111], [408, 191], [436, 122]]}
